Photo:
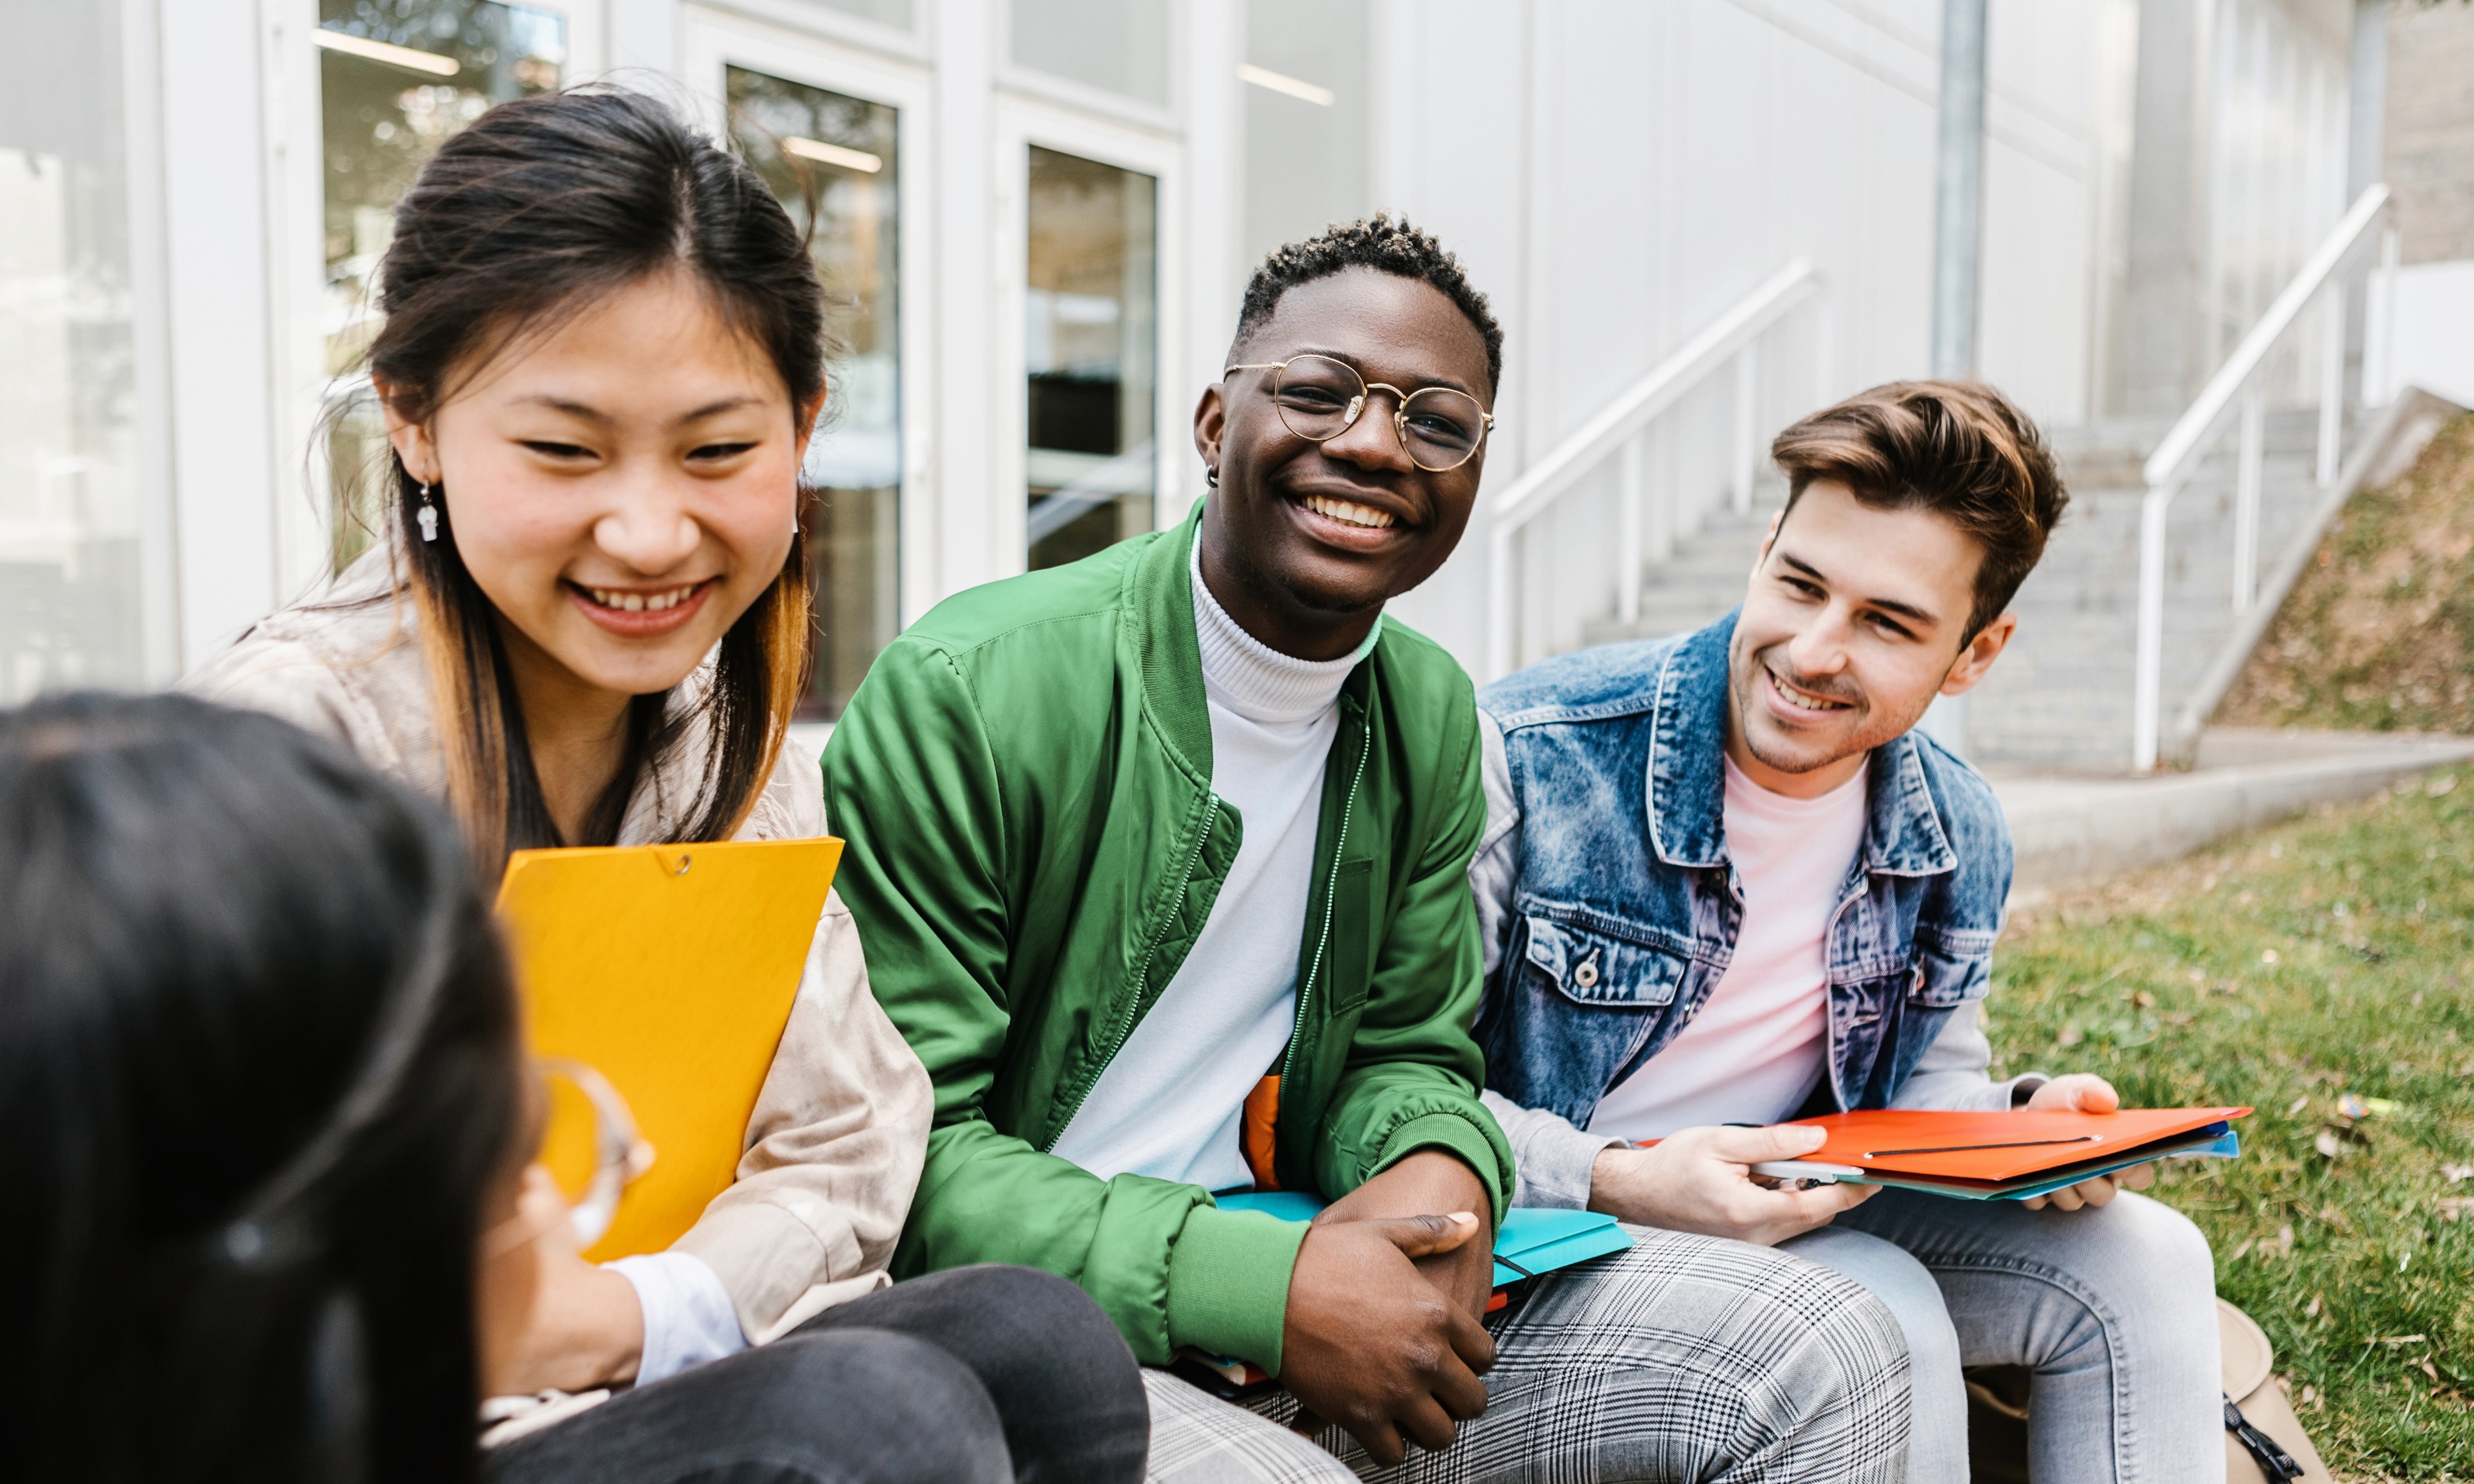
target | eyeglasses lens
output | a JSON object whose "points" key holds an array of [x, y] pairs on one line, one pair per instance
{"points": [[1441, 428], [1320, 398]]}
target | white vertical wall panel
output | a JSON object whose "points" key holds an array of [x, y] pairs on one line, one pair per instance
{"points": [[1453, 154], [962, 475], [225, 469], [1616, 176]]}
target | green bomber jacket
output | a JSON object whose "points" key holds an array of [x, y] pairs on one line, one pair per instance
{"points": [[1024, 781]]}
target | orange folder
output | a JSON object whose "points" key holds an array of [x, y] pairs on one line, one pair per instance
{"points": [[671, 971], [2001, 1154]]}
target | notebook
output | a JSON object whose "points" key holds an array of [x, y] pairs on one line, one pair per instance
{"points": [[671, 971], [2002, 1156], [1531, 1241]]}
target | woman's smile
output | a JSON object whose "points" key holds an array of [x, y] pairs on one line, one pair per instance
{"points": [[642, 613]]}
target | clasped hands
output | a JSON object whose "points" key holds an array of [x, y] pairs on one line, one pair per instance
{"points": [[1382, 1334], [1701, 1180]]}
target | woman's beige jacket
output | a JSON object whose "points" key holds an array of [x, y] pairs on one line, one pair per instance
{"points": [[835, 1147]]}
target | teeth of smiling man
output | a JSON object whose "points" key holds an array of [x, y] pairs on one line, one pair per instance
{"points": [[1354, 514], [640, 602], [1801, 701]]}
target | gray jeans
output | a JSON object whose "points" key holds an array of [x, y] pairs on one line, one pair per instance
{"points": [[2114, 1310], [972, 1375], [1684, 1359]]}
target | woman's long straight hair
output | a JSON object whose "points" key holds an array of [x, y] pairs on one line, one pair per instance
{"points": [[539, 207], [258, 1073]]}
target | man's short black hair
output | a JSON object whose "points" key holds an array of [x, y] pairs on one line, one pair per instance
{"points": [[1384, 245]]}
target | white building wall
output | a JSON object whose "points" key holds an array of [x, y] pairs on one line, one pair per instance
{"points": [[1619, 175], [1612, 173]]}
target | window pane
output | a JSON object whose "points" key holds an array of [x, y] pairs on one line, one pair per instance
{"points": [[1120, 46], [396, 78], [832, 159], [70, 601], [1089, 342]]}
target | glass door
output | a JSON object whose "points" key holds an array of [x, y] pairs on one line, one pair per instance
{"points": [[70, 602], [833, 159], [395, 78], [1090, 355]]}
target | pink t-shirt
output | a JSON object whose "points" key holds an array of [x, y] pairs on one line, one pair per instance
{"points": [[1754, 1052]]}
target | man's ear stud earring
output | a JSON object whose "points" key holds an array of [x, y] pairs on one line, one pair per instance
{"points": [[1211, 476]]}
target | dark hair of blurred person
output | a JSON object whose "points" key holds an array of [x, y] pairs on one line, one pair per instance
{"points": [[257, 1075]]}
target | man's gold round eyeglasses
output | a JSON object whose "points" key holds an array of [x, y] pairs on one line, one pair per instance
{"points": [[1320, 398]]}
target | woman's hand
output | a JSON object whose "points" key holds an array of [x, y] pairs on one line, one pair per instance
{"points": [[548, 1319], [2085, 1092], [1700, 1180]]}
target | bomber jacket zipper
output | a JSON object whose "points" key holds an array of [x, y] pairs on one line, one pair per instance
{"points": [[1330, 894]]}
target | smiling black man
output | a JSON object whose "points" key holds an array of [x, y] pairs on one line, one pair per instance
{"points": [[1161, 858]]}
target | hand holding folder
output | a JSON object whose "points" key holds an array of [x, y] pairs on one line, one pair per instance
{"points": [[669, 970], [2002, 1156]]}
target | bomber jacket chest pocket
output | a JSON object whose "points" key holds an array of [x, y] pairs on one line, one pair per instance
{"points": [[1594, 967]]}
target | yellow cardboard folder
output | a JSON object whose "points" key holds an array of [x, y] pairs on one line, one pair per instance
{"points": [[671, 971]]}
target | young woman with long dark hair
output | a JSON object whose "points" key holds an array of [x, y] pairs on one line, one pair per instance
{"points": [[264, 1128], [585, 622]]}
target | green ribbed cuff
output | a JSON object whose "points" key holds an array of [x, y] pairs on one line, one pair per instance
{"points": [[1228, 1282], [1456, 1135]]}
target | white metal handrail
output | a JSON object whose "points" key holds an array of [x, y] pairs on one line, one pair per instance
{"points": [[2194, 433], [1617, 427]]}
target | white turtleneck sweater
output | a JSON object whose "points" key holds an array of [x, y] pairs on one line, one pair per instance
{"points": [[1171, 1102]]}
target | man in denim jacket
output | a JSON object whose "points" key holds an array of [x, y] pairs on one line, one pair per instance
{"points": [[1724, 883]]}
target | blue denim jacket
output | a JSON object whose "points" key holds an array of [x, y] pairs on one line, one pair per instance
{"points": [[1611, 907]]}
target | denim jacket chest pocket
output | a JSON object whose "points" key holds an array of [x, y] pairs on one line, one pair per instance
{"points": [[1951, 967], [1595, 966]]}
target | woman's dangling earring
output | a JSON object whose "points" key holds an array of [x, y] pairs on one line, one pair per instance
{"points": [[1211, 476], [428, 516]]}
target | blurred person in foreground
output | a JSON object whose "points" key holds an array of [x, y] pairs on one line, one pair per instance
{"points": [[265, 1129], [1726, 882], [1163, 861]]}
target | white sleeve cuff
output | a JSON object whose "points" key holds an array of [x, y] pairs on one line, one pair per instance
{"points": [[688, 1318]]}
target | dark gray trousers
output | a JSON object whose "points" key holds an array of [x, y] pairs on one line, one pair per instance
{"points": [[974, 1375]]}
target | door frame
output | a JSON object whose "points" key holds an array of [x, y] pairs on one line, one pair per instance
{"points": [[715, 40], [1020, 124]]}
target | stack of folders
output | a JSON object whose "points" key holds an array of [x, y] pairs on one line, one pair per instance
{"points": [[1529, 1242], [2002, 1156]]}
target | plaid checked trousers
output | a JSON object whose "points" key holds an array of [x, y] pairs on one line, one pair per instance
{"points": [[1686, 1358]]}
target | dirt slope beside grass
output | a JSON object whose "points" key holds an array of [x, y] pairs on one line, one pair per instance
{"points": [[2379, 633]]}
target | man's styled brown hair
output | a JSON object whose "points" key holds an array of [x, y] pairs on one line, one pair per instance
{"points": [[1957, 448]]}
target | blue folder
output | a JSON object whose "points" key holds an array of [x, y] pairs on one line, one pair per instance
{"points": [[1531, 1240]]}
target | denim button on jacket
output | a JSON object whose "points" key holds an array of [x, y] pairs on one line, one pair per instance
{"points": [[1611, 907]]}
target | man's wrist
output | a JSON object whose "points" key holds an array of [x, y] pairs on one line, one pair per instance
{"points": [[1459, 1141], [1610, 1180]]}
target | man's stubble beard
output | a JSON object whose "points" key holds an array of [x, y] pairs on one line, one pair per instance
{"points": [[1743, 678]]}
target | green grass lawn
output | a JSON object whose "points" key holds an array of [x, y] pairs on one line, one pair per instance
{"points": [[2328, 959]]}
